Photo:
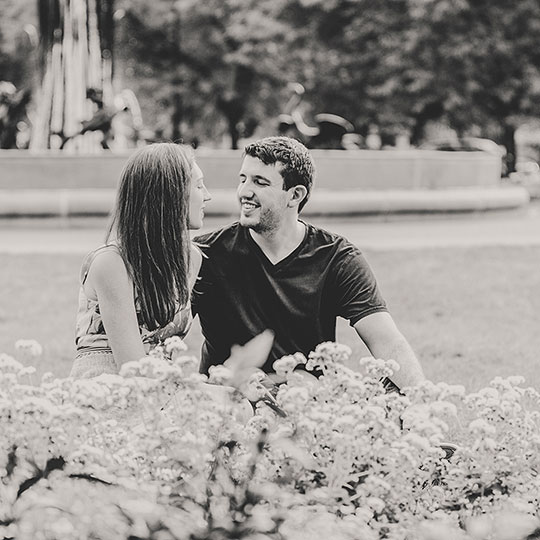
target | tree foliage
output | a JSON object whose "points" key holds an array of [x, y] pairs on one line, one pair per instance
{"points": [[483, 57], [18, 41], [210, 66], [205, 70], [401, 63]]}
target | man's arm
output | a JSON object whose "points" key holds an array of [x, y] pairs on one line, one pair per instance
{"points": [[383, 339]]}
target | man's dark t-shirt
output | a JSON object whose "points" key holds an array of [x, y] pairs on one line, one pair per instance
{"points": [[240, 293]]}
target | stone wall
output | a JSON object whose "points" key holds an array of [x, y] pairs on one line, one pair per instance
{"points": [[336, 170]]}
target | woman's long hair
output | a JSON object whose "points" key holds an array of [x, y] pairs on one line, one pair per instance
{"points": [[150, 223]]}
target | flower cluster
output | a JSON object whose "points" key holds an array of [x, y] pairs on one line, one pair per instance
{"points": [[161, 451]]}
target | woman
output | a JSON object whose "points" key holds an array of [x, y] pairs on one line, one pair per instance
{"points": [[135, 290]]}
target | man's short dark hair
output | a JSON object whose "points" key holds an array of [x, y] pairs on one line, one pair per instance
{"points": [[297, 167]]}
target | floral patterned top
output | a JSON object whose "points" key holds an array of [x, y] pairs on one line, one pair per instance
{"points": [[90, 333]]}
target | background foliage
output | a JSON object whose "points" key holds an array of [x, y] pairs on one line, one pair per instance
{"points": [[216, 71]]}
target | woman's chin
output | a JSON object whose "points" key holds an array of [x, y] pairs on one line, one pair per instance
{"points": [[195, 226]]}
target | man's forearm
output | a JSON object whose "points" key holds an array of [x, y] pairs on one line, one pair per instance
{"points": [[384, 340], [410, 372]]}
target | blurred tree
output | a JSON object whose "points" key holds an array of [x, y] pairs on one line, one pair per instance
{"points": [[18, 62], [349, 58], [402, 63], [18, 42], [482, 58], [212, 67], [219, 67]]}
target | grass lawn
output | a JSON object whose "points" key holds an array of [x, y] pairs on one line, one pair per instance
{"points": [[469, 313]]}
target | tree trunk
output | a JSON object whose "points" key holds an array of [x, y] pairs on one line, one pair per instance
{"points": [[49, 18], [176, 117], [431, 111], [233, 110], [233, 132], [509, 142], [106, 29]]}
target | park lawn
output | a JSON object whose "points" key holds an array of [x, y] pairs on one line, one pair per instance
{"points": [[469, 313]]}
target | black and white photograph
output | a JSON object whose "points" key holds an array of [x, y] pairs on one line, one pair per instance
{"points": [[269, 270]]}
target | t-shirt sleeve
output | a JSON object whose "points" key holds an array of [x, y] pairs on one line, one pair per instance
{"points": [[354, 287]]}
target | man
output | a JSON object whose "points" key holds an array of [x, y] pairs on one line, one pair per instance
{"points": [[272, 270]]}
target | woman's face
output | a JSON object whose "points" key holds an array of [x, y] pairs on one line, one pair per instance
{"points": [[198, 195]]}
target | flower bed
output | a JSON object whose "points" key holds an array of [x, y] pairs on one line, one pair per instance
{"points": [[159, 453]]}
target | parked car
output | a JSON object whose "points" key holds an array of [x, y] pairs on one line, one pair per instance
{"points": [[465, 144], [469, 144]]}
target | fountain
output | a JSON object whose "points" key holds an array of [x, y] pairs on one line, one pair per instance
{"points": [[77, 65]]}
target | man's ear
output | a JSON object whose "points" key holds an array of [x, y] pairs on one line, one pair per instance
{"points": [[298, 194]]}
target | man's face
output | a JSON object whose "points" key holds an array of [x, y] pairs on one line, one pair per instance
{"points": [[262, 197]]}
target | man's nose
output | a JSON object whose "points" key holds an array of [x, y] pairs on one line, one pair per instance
{"points": [[245, 189], [206, 195]]}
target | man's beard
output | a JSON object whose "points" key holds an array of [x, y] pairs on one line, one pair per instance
{"points": [[268, 222]]}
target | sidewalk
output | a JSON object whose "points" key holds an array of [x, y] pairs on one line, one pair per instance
{"points": [[505, 228]]}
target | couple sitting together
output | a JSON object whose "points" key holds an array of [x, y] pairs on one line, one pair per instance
{"points": [[269, 270]]}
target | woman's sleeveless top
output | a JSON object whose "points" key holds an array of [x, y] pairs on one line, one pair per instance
{"points": [[90, 333]]}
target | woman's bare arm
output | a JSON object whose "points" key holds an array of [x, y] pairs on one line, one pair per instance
{"points": [[110, 280]]}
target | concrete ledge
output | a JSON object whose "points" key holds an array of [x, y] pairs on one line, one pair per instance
{"points": [[61, 202], [416, 201], [97, 202], [336, 169]]}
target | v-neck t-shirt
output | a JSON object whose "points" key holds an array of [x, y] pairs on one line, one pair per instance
{"points": [[240, 292]]}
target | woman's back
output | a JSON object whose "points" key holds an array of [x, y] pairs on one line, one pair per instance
{"points": [[94, 353]]}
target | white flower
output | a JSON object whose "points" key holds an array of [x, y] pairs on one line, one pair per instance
{"points": [[418, 442], [516, 380], [285, 365], [482, 427], [364, 514], [254, 390], [345, 423], [376, 504], [29, 347], [293, 399], [29, 370], [327, 355], [379, 367], [174, 344], [8, 364], [444, 408], [187, 364], [219, 374]]}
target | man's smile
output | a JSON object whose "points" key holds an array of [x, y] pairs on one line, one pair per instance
{"points": [[248, 206]]}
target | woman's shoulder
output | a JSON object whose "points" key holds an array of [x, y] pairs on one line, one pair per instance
{"points": [[105, 264], [89, 258]]}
